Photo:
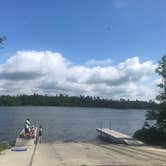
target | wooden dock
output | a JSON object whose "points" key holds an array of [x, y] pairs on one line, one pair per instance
{"points": [[118, 137]]}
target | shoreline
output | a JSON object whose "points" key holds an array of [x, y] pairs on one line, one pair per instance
{"points": [[78, 107], [4, 145]]}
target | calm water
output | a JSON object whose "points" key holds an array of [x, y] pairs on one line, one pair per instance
{"points": [[68, 123]]}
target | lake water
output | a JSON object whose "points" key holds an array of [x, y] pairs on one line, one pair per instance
{"points": [[69, 123]]}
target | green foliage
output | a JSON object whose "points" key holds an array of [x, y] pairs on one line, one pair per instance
{"points": [[161, 70], [82, 101], [4, 145], [160, 114], [2, 39], [151, 135], [157, 134], [151, 114]]}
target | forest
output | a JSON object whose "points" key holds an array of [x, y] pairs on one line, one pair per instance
{"points": [[76, 101]]}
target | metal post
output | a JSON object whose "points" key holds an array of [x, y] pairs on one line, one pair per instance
{"points": [[109, 124]]}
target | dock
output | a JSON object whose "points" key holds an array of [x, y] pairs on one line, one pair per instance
{"points": [[118, 137]]}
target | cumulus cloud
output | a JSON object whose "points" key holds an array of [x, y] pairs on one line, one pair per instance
{"points": [[94, 62], [47, 72]]}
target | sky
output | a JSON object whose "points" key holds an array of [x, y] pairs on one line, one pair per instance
{"points": [[107, 48]]}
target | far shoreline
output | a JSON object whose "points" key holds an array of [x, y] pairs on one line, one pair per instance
{"points": [[78, 107], [76, 101]]}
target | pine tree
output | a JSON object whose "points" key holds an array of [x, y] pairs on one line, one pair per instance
{"points": [[160, 114]]}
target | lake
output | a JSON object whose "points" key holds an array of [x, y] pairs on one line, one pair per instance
{"points": [[69, 123]]}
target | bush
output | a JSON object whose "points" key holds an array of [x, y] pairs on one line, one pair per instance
{"points": [[151, 135], [4, 145]]}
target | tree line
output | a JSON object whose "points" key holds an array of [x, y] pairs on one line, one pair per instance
{"points": [[81, 101]]}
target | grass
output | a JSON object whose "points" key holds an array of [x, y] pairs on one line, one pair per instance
{"points": [[4, 145]]}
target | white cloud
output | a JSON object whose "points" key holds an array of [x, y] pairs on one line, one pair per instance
{"points": [[94, 62], [47, 72]]}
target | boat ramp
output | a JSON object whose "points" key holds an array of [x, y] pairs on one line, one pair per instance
{"points": [[95, 153]]}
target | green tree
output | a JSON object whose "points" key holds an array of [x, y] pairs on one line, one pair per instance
{"points": [[160, 114], [161, 70], [2, 39], [156, 134]]}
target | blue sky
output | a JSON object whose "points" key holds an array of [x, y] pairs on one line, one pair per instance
{"points": [[93, 36], [85, 29]]}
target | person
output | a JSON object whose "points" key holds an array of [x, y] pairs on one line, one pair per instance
{"points": [[27, 126], [40, 134], [32, 132]]}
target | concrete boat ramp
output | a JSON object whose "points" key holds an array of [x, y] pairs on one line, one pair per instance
{"points": [[96, 153], [84, 154], [11, 158]]}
